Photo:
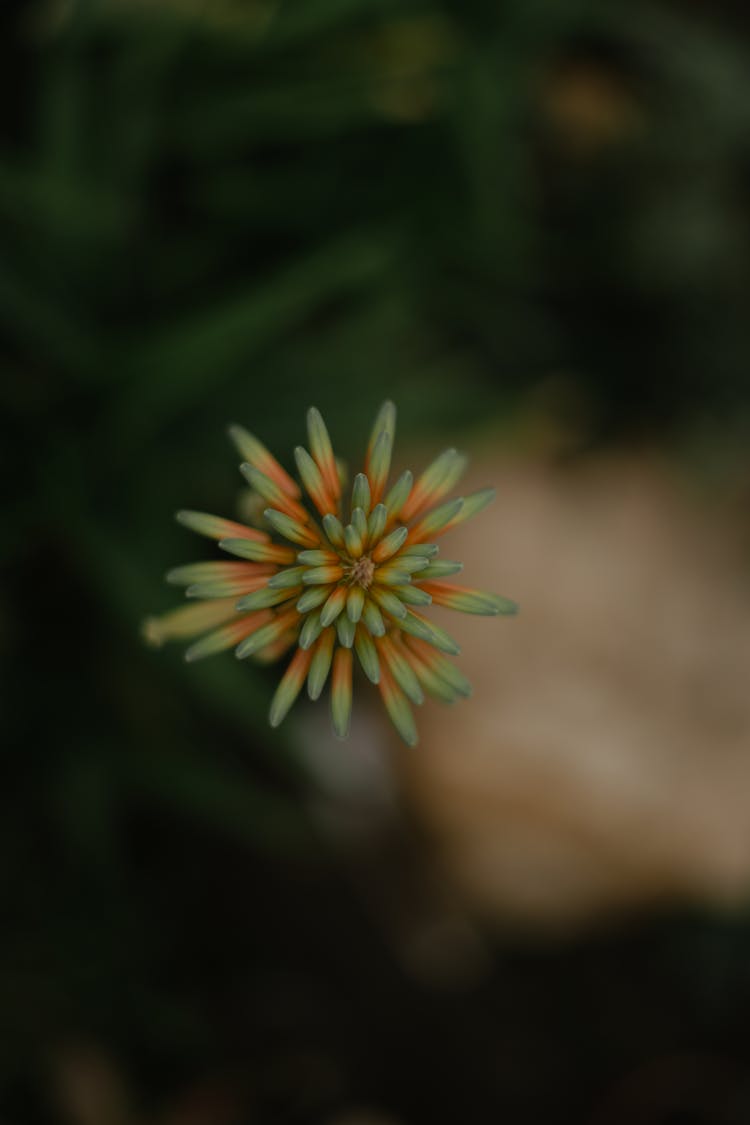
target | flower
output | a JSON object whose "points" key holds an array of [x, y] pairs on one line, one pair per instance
{"points": [[334, 587]]}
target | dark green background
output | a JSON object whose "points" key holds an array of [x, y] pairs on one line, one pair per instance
{"points": [[228, 211]]}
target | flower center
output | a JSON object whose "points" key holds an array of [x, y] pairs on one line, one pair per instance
{"points": [[362, 572]]}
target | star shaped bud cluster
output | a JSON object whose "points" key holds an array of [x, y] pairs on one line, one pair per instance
{"points": [[354, 576]]}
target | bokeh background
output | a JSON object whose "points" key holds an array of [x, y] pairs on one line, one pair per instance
{"points": [[529, 224]]}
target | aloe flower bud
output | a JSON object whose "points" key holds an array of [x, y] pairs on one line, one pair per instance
{"points": [[334, 576]]}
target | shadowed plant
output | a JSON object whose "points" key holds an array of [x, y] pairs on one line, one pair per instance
{"points": [[353, 580]]}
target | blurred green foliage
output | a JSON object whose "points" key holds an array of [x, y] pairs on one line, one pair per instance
{"points": [[226, 211]]}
